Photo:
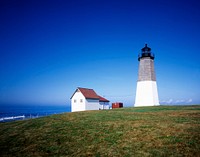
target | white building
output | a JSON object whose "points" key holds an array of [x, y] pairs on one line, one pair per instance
{"points": [[146, 91], [86, 99]]}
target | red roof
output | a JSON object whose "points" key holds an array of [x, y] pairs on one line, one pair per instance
{"points": [[90, 94], [101, 99]]}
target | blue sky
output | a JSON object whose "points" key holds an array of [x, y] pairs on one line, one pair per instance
{"points": [[50, 47]]}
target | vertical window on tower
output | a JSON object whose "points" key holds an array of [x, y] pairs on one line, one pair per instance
{"points": [[81, 100], [74, 100]]}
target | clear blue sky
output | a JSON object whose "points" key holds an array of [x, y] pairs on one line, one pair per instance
{"points": [[50, 47]]}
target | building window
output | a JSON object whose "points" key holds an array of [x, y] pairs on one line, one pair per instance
{"points": [[81, 100], [74, 100]]}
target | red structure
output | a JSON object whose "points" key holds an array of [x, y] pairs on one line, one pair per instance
{"points": [[117, 105]]}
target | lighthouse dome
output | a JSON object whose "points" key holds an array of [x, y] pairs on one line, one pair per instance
{"points": [[146, 52], [146, 48]]}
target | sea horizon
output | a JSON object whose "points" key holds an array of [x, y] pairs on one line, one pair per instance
{"points": [[17, 112]]}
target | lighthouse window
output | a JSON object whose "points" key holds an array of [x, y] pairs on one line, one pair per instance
{"points": [[81, 100], [74, 100]]}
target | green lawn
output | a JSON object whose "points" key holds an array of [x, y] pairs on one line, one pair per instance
{"points": [[143, 131]]}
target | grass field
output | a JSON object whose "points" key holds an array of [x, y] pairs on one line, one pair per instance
{"points": [[143, 131]]}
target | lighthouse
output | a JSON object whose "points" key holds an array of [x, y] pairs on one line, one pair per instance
{"points": [[146, 90]]}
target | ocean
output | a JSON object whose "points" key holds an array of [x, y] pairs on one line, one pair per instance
{"points": [[21, 112]]}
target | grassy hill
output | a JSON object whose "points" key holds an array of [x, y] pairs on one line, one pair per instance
{"points": [[143, 131]]}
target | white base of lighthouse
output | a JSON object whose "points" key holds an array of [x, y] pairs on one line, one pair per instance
{"points": [[146, 94]]}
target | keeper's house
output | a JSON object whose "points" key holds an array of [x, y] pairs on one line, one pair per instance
{"points": [[86, 99]]}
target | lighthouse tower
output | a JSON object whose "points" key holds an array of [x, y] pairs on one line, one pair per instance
{"points": [[146, 91]]}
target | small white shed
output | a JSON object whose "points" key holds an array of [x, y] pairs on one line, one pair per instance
{"points": [[86, 99]]}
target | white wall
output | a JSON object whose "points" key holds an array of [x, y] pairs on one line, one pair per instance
{"points": [[78, 105], [86, 104], [92, 104], [146, 94], [104, 105]]}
